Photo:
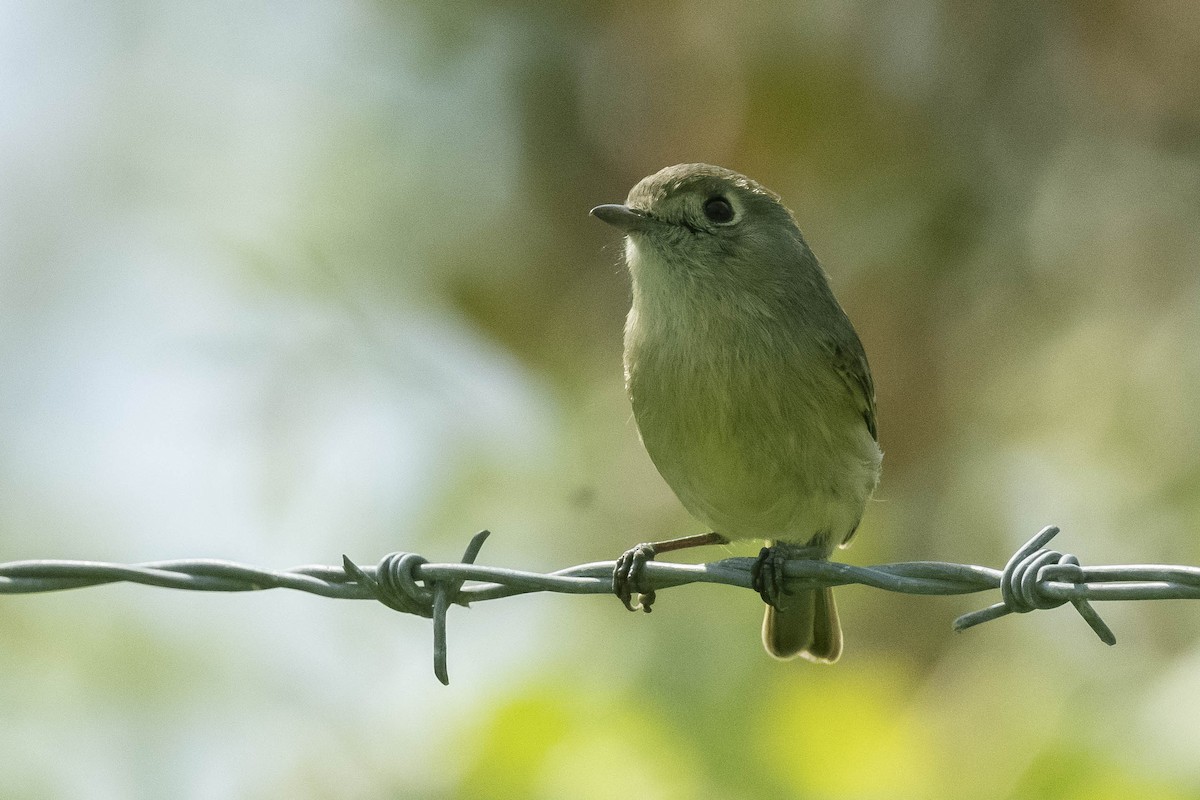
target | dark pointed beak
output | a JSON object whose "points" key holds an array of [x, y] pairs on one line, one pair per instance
{"points": [[621, 217]]}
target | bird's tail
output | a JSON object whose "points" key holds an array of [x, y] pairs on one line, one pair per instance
{"points": [[807, 627]]}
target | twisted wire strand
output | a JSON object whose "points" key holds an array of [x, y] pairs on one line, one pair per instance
{"points": [[1035, 578]]}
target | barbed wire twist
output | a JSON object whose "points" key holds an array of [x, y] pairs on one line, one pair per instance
{"points": [[1035, 578]]}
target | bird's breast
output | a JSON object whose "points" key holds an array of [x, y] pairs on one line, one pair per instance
{"points": [[749, 427]]}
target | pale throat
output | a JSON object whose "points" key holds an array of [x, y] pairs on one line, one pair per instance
{"points": [[679, 297]]}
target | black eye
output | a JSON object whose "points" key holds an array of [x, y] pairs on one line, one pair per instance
{"points": [[718, 210]]}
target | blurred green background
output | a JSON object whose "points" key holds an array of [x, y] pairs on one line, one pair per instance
{"points": [[283, 280]]}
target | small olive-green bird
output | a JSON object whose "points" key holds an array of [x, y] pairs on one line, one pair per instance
{"points": [[750, 387]]}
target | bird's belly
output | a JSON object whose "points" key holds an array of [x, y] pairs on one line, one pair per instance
{"points": [[804, 494], [795, 469]]}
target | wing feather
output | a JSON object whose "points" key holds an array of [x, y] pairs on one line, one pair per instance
{"points": [[850, 362]]}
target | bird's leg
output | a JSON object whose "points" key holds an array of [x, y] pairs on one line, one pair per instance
{"points": [[627, 574], [766, 575]]}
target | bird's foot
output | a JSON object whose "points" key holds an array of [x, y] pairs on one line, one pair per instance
{"points": [[628, 573], [766, 575], [627, 576]]}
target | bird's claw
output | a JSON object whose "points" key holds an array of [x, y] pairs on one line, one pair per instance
{"points": [[627, 576], [766, 575]]}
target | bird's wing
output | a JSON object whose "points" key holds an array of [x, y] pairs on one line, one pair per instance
{"points": [[850, 362]]}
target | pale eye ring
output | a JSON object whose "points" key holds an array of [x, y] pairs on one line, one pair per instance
{"points": [[719, 210]]}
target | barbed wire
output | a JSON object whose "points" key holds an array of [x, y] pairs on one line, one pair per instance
{"points": [[1034, 578]]}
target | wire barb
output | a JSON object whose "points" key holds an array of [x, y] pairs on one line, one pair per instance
{"points": [[1034, 578], [395, 583], [1022, 582], [396, 586]]}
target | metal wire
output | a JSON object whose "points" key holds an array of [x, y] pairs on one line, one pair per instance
{"points": [[1034, 578]]}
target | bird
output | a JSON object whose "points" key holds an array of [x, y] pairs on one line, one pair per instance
{"points": [[750, 388]]}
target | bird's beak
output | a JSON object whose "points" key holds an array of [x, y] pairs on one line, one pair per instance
{"points": [[622, 217]]}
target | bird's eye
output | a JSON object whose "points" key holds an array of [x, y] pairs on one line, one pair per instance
{"points": [[718, 210]]}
